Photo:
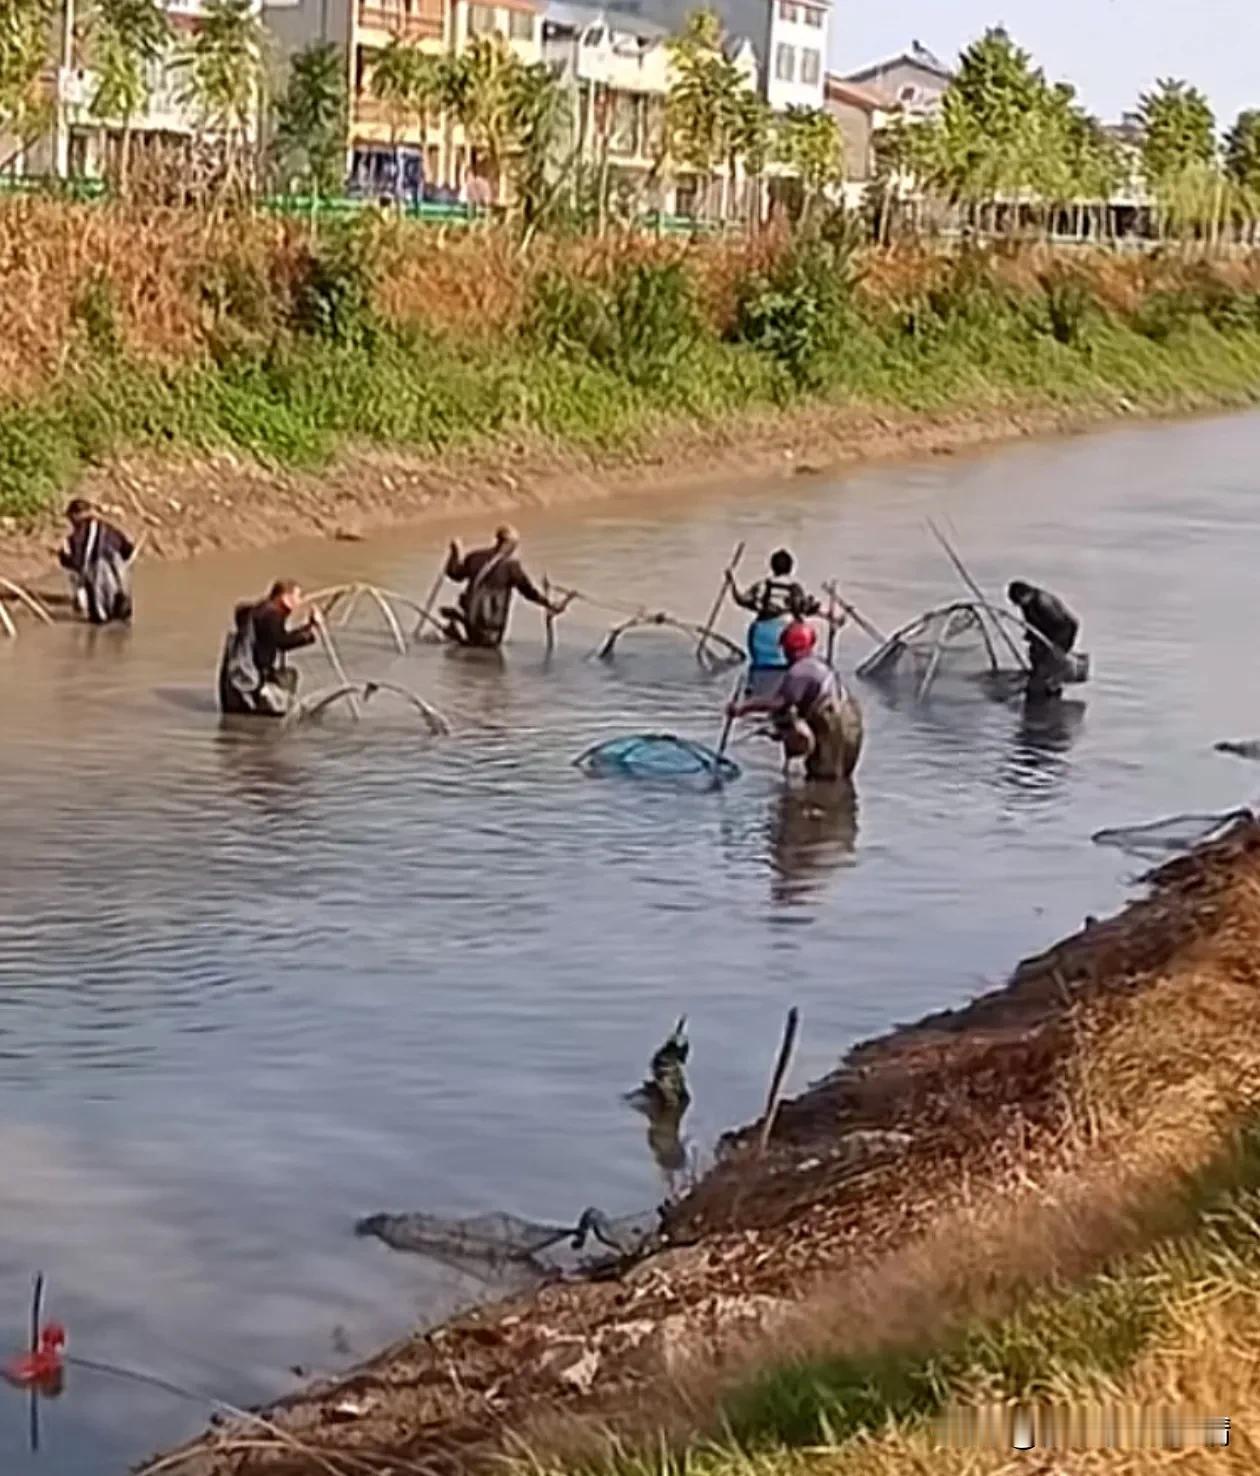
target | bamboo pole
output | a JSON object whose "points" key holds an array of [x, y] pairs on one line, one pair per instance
{"points": [[728, 578], [36, 607], [831, 627], [6, 620], [854, 614], [790, 1029], [549, 618], [334, 661], [975, 589], [728, 721], [435, 589], [390, 619]]}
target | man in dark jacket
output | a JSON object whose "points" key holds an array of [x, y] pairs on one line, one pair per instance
{"points": [[490, 577], [97, 557], [254, 677], [1052, 634]]}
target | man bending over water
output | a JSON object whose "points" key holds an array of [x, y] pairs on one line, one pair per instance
{"points": [[97, 557], [490, 577], [254, 677], [813, 718], [1050, 618]]}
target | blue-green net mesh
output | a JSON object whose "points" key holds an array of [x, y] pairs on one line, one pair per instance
{"points": [[656, 756]]}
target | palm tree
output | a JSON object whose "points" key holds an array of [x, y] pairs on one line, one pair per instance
{"points": [[224, 62], [25, 104], [751, 139], [483, 92], [312, 117], [125, 38]]}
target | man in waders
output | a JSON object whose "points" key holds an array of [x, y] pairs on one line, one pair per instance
{"points": [[774, 602], [813, 718], [97, 556], [254, 677], [490, 577], [1056, 631]]}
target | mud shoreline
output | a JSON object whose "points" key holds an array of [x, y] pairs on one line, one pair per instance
{"points": [[185, 507], [913, 1130]]}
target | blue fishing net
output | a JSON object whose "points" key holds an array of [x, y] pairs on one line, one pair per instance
{"points": [[656, 756]]}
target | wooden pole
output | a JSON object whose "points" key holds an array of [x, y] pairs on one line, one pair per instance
{"points": [[855, 615], [549, 618], [788, 1045], [831, 626], [728, 721], [335, 662], [426, 612], [728, 574], [975, 590]]}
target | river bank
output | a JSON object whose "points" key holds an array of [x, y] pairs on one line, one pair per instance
{"points": [[231, 385], [948, 1173], [191, 506]]}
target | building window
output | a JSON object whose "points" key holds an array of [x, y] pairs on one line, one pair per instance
{"points": [[784, 63], [810, 66], [813, 18], [480, 20], [520, 25], [789, 11]]}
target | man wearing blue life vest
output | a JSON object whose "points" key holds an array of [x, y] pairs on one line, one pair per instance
{"points": [[775, 603]]}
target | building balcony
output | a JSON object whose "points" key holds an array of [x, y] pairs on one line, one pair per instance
{"points": [[417, 21]]}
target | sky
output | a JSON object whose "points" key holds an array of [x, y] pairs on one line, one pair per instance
{"points": [[1110, 49]]}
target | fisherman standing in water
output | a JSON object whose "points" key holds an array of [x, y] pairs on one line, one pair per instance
{"points": [[775, 602], [254, 677], [97, 556], [490, 577], [1056, 629], [813, 718]]}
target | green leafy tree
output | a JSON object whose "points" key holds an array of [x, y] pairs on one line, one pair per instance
{"points": [[704, 101], [994, 115], [312, 118], [1242, 165], [25, 104], [812, 146], [1178, 149], [125, 39], [751, 139], [482, 90], [224, 68], [411, 84]]}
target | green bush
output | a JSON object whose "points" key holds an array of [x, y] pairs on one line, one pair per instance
{"points": [[332, 290], [801, 312]]}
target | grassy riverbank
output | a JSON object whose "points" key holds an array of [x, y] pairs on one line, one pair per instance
{"points": [[171, 336], [1050, 1195]]}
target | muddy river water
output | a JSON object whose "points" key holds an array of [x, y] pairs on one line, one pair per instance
{"points": [[254, 987]]}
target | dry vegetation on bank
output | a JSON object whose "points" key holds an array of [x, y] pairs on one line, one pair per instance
{"points": [[163, 335], [1051, 1193]]}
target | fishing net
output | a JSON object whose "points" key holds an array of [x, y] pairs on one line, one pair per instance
{"points": [[962, 640], [1176, 834], [502, 1247], [656, 756]]}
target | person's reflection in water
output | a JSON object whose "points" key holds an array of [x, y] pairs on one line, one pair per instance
{"points": [[1036, 765], [813, 830], [260, 765]]}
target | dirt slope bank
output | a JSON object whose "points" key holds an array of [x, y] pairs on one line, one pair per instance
{"points": [[942, 1168], [189, 507]]}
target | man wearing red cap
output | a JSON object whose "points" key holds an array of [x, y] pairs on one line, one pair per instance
{"points": [[813, 718]]}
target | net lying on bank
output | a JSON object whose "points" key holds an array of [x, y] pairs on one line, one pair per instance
{"points": [[501, 1246], [656, 756], [1175, 834]]}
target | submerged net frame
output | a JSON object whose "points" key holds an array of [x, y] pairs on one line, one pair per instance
{"points": [[11, 590], [727, 653], [344, 599], [351, 692], [963, 626], [655, 756], [1174, 833]]}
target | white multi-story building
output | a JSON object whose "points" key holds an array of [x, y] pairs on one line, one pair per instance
{"points": [[789, 39]]}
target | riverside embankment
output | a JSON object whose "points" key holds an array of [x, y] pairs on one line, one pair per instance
{"points": [[980, 1165], [225, 382]]}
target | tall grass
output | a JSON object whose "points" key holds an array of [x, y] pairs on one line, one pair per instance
{"points": [[121, 331]]}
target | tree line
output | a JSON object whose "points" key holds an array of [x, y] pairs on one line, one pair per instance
{"points": [[1007, 147]]}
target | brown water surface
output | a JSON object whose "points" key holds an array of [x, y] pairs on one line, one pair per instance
{"points": [[254, 985]]}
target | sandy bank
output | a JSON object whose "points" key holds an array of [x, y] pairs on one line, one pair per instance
{"points": [[188, 507], [941, 1169]]}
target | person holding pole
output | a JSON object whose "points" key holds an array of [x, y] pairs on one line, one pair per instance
{"points": [[254, 677], [775, 603]]}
